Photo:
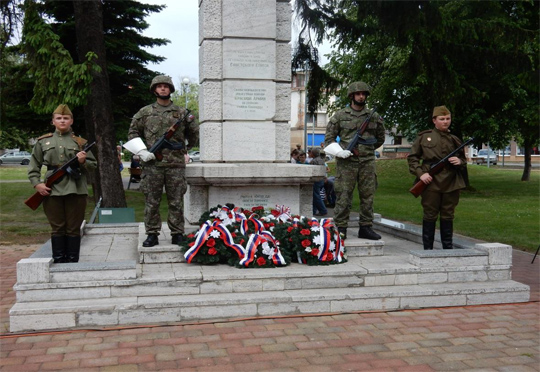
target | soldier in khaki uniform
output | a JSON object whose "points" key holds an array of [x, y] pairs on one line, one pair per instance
{"points": [[150, 123], [441, 196], [355, 169], [65, 203]]}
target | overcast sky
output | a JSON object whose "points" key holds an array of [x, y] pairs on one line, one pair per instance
{"points": [[179, 23]]}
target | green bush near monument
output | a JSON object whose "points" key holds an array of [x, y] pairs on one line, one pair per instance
{"points": [[498, 207]]}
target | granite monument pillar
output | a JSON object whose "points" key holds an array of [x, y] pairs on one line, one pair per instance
{"points": [[245, 108]]}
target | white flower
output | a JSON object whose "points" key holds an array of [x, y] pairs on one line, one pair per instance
{"points": [[215, 234], [332, 246], [308, 249], [215, 213], [267, 249]]}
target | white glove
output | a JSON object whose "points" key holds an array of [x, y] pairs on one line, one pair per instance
{"points": [[146, 155], [344, 154]]}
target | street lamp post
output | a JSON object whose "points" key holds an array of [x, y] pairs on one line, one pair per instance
{"points": [[185, 86]]}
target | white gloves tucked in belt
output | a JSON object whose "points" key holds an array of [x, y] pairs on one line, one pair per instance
{"points": [[146, 155]]}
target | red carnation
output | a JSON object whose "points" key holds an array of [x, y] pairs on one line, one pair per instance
{"points": [[191, 236], [305, 232], [210, 242], [274, 212], [306, 243], [315, 251], [266, 226], [212, 251], [261, 261], [289, 229], [191, 244], [233, 235]]}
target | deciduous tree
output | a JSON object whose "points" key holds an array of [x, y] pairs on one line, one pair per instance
{"points": [[478, 58]]}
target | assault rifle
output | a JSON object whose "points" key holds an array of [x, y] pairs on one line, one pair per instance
{"points": [[357, 139], [164, 143], [35, 200], [437, 167]]}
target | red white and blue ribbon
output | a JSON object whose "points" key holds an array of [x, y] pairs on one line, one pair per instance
{"points": [[254, 218], [255, 240], [326, 230], [204, 234]]}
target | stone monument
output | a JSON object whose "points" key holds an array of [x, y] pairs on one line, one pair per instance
{"points": [[245, 107]]}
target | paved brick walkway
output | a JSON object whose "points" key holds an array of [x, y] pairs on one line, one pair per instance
{"points": [[473, 338]]}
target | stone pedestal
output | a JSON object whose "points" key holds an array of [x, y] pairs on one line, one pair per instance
{"points": [[245, 108]]}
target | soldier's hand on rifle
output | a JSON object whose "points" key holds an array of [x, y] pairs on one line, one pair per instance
{"points": [[426, 178], [81, 157], [454, 160], [146, 155], [42, 189], [344, 154]]}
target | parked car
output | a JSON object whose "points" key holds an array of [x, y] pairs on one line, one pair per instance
{"points": [[16, 157], [482, 157], [194, 156]]}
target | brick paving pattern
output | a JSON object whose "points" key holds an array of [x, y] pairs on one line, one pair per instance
{"points": [[473, 338]]}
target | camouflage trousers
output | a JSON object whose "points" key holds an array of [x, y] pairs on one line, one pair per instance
{"points": [[349, 173], [153, 181]]}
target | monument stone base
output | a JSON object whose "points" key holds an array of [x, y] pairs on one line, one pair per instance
{"points": [[248, 185]]}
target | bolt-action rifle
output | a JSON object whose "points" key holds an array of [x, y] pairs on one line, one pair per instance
{"points": [[357, 139], [164, 143], [435, 168], [35, 200]]}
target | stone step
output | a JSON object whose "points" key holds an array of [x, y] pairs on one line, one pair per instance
{"points": [[115, 311], [40, 281]]}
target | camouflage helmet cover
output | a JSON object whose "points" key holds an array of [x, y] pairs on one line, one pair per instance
{"points": [[162, 79], [358, 86]]}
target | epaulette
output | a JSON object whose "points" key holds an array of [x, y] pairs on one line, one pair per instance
{"points": [[45, 136], [80, 141]]}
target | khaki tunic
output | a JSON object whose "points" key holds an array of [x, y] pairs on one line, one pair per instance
{"points": [[430, 147], [66, 205], [441, 196], [53, 150]]}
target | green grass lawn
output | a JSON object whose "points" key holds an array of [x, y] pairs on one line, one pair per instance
{"points": [[498, 208]]}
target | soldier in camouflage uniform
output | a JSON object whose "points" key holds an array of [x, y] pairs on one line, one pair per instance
{"points": [[441, 196], [355, 169], [150, 123], [65, 202]]}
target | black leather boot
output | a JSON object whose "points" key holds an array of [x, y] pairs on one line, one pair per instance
{"points": [[73, 248], [343, 232], [177, 239], [366, 232], [447, 230], [428, 234], [58, 245], [151, 240]]}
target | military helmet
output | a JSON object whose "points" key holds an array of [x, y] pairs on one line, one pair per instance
{"points": [[161, 79], [358, 86]]}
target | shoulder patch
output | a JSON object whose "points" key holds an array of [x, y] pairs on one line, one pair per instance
{"points": [[45, 136]]}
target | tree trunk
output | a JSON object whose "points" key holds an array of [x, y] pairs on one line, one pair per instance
{"points": [[98, 111], [526, 176]]}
